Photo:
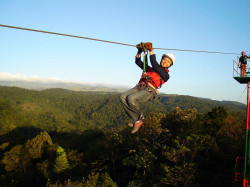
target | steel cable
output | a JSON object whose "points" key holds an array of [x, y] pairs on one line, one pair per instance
{"points": [[119, 43]]}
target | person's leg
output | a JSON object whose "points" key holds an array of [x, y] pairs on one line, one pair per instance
{"points": [[244, 70], [134, 101], [123, 99]]}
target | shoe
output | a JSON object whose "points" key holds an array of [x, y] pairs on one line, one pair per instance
{"points": [[137, 126], [141, 117], [131, 124]]}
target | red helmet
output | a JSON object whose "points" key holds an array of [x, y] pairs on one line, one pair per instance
{"points": [[243, 52]]}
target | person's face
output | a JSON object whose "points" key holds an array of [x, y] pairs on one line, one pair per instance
{"points": [[243, 54], [166, 62]]}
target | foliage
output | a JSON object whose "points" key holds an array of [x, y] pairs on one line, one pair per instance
{"points": [[64, 138], [93, 180], [61, 162], [70, 111], [13, 159], [35, 146]]}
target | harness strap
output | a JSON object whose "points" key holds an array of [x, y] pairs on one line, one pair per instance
{"points": [[144, 62], [144, 84], [144, 50]]}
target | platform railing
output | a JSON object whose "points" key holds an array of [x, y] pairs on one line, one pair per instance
{"points": [[237, 70]]}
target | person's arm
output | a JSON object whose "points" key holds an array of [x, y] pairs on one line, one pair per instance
{"points": [[151, 52], [158, 68], [138, 59], [140, 63]]}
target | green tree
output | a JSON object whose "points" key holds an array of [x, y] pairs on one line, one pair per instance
{"points": [[217, 113], [16, 159], [36, 145], [99, 180], [61, 162]]}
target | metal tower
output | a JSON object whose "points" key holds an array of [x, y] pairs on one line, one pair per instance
{"points": [[244, 80]]}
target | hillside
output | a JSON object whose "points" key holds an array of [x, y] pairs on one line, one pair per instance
{"points": [[66, 110], [170, 101], [59, 137], [203, 105]]}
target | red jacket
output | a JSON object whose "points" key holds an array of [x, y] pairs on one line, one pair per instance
{"points": [[158, 75], [153, 78]]}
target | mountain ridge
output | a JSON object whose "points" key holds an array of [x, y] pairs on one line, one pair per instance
{"points": [[39, 85], [32, 85]]}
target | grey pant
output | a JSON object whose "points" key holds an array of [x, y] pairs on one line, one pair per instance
{"points": [[132, 98]]}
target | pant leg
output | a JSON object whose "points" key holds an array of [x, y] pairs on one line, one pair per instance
{"points": [[134, 100], [244, 69], [131, 100], [123, 99]]}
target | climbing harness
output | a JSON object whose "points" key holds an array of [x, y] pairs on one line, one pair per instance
{"points": [[146, 78]]}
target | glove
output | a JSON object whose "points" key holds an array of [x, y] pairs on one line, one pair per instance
{"points": [[138, 46], [148, 46]]}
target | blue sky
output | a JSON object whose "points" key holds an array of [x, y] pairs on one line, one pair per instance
{"points": [[214, 25]]}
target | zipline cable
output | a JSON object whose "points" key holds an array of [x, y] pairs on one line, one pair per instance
{"points": [[87, 38], [189, 50], [69, 35]]}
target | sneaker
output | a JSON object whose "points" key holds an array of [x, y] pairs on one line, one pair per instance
{"points": [[137, 126], [131, 124], [142, 117]]}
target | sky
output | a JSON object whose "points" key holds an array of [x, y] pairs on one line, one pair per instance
{"points": [[214, 25]]}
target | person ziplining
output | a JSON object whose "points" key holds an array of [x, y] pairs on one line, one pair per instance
{"points": [[148, 85]]}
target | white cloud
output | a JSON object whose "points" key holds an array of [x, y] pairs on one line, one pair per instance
{"points": [[5, 76]]}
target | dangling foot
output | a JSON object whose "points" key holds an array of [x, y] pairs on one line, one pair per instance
{"points": [[131, 124], [141, 117], [137, 126]]}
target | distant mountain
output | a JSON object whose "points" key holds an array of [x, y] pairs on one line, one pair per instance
{"points": [[203, 105], [41, 83], [169, 101], [36, 85]]}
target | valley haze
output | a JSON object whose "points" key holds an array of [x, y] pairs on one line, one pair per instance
{"points": [[39, 83]]}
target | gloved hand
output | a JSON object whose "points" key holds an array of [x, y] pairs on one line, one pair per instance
{"points": [[148, 46], [138, 46]]}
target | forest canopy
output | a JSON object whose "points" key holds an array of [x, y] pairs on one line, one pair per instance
{"points": [[59, 137]]}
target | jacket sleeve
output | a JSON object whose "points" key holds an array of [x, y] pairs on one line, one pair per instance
{"points": [[140, 63], [159, 69]]}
